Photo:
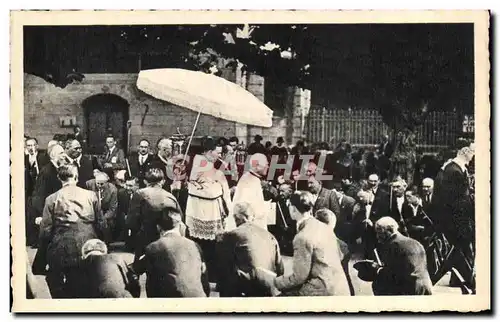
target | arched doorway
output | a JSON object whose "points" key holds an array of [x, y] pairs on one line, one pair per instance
{"points": [[105, 113]]}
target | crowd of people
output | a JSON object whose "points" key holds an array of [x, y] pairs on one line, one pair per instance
{"points": [[190, 222]]}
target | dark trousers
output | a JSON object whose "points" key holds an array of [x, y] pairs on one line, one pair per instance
{"points": [[208, 249], [65, 282]]}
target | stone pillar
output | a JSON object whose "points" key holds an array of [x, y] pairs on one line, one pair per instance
{"points": [[300, 103], [255, 85]]}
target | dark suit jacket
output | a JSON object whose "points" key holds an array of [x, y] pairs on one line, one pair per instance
{"points": [[109, 198], [158, 163], [71, 216], [116, 158], [106, 276], [327, 199], [174, 268], [139, 171], [146, 207], [85, 171], [387, 150], [380, 207], [317, 270], [245, 248], [419, 226], [345, 219], [46, 184], [31, 172], [453, 208], [398, 216], [404, 269], [123, 197]]}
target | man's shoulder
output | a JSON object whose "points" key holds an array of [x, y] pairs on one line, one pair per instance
{"points": [[406, 242], [349, 200]]}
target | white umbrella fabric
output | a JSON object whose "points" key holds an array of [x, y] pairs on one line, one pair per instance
{"points": [[205, 93]]}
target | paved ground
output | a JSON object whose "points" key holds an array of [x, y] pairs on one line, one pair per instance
{"points": [[360, 287]]}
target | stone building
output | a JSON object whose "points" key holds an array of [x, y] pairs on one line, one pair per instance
{"points": [[104, 102]]}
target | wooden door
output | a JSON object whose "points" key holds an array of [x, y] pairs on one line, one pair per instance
{"points": [[105, 114]]}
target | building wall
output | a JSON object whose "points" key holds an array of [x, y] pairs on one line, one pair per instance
{"points": [[45, 103]]}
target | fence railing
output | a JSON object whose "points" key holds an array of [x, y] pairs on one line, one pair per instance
{"points": [[365, 128]]}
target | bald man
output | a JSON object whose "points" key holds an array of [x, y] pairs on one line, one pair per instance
{"points": [[404, 263], [249, 189], [427, 194]]}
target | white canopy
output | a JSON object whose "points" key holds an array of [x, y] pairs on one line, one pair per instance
{"points": [[206, 94]]}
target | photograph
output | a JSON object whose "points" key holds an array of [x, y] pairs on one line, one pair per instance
{"points": [[272, 161]]}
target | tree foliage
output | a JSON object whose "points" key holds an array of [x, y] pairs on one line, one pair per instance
{"points": [[404, 70]]}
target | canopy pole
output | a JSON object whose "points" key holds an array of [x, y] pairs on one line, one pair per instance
{"points": [[191, 137]]}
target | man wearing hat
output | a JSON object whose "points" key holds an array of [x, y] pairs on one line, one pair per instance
{"points": [[256, 146], [107, 196]]}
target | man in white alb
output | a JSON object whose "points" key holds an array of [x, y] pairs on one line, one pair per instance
{"points": [[249, 189]]}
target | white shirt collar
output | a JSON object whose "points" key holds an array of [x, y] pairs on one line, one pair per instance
{"points": [[175, 231], [111, 150], [77, 160]]}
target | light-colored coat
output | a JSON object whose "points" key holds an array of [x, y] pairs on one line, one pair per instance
{"points": [[317, 270]]}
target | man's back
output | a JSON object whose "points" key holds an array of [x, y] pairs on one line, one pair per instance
{"points": [[146, 206], [326, 275], [405, 268], [105, 277], [174, 268], [245, 248], [71, 217]]}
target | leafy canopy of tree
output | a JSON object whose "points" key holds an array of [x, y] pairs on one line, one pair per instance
{"points": [[404, 70]]}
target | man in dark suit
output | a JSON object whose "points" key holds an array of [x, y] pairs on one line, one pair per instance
{"points": [[453, 207], [399, 203], [285, 228], [380, 197], [323, 198], [83, 163], [124, 195], [46, 183], [114, 157], [173, 264], [385, 147], [344, 221], [427, 195], [404, 264], [256, 146], [71, 216], [243, 249], [146, 207], [108, 197], [106, 275], [418, 225], [141, 162], [33, 163]]}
